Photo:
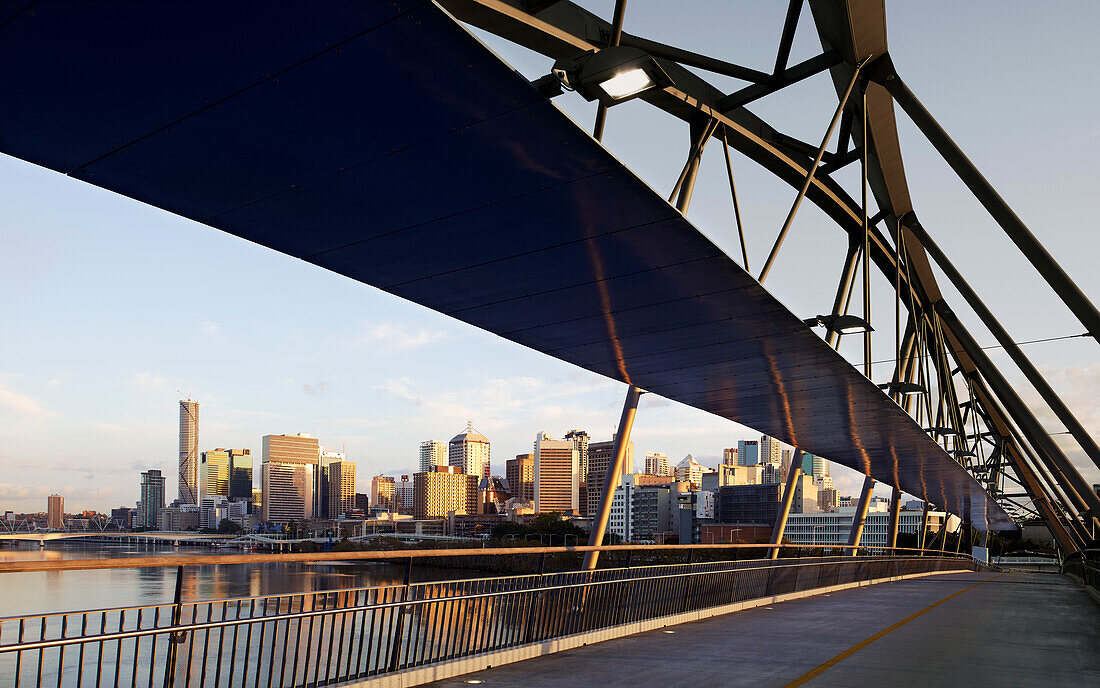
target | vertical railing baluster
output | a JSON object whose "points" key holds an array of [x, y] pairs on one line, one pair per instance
{"points": [[118, 646], [221, 648], [247, 644], [99, 650], [174, 636], [137, 651], [309, 640], [155, 638], [286, 638], [343, 627], [41, 653], [233, 649], [61, 650], [80, 654]]}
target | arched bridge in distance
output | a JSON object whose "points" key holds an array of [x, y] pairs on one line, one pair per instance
{"points": [[383, 141]]}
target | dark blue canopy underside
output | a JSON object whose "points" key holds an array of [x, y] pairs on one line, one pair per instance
{"points": [[381, 141]]}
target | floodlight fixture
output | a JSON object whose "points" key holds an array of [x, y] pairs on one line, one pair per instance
{"points": [[964, 454], [942, 431], [612, 75], [903, 388], [841, 324]]}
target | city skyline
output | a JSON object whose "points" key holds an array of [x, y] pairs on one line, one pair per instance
{"points": [[379, 375]]}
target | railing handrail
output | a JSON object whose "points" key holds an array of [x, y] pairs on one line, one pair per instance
{"points": [[31, 565], [795, 561], [406, 603]]}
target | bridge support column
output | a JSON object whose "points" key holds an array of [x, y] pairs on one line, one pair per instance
{"points": [[895, 518], [860, 517], [611, 479], [785, 506]]}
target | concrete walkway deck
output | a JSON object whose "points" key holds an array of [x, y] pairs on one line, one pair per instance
{"points": [[995, 630]]}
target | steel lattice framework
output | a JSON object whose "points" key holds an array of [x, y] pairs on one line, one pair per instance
{"points": [[265, 139], [965, 401]]}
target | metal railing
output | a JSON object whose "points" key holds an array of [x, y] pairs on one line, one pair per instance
{"points": [[1085, 566], [322, 638]]}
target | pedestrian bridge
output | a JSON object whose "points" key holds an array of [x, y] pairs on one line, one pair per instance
{"points": [[904, 618]]}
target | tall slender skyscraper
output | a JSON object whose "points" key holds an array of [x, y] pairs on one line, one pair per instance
{"points": [[469, 450], [580, 440], [152, 498], [290, 477], [432, 453], [557, 475], [55, 515], [189, 452]]}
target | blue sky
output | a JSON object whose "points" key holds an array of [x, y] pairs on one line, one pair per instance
{"points": [[111, 307]]}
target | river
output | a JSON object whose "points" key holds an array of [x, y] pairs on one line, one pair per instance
{"points": [[31, 593]]}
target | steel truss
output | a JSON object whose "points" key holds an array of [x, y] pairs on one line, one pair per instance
{"points": [[966, 403]]}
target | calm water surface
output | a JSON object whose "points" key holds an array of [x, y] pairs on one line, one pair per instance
{"points": [[28, 593]]}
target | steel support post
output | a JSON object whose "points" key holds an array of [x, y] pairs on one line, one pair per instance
{"points": [[860, 516], [810, 174], [1088, 444], [895, 518], [611, 479], [923, 535], [863, 148], [616, 36], [701, 132], [1008, 395], [793, 475], [1020, 235]]}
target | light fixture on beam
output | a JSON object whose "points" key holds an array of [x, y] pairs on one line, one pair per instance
{"points": [[903, 388], [612, 75], [964, 454], [942, 431], [841, 324]]}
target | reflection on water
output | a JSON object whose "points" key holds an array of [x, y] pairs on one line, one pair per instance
{"points": [[54, 591]]}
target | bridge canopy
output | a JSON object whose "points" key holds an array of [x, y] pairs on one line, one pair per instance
{"points": [[385, 143]]}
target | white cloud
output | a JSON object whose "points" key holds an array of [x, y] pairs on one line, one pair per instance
{"points": [[315, 390], [1076, 386], [13, 491], [54, 382], [398, 336], [207, 328], [149, 382], [22, 405]]}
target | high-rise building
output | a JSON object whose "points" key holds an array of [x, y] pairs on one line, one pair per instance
{"points": [[213, 509], [445, 489], [152, 498], [815, 466], [469, 451], [405, 495], [729, 456], [557, 475], [690, 471], [657, 463], [432, 453], [748, 503], [580, 439], [771, 451], [383, 493], [600, 455], [214, 473], [290, 477], [805, 496], [748, 452], [339, 481], [55, 512], [520, 473], [189, 452], [240, 474]]}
